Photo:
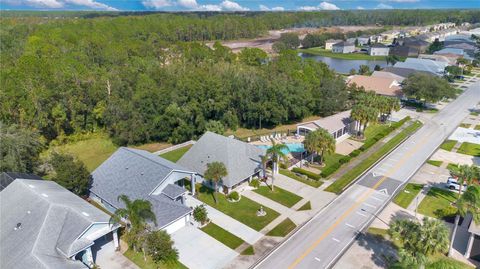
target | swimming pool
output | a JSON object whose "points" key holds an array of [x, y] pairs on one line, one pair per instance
{"points": [[292, 147]]}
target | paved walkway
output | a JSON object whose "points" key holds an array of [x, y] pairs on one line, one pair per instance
{"points": [[454, 157], [107, 257], [228, 223]]}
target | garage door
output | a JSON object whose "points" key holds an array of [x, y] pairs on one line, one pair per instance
{"points": [[180, 223]]}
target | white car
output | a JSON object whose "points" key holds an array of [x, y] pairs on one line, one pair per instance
{"points": [[452, 184]]}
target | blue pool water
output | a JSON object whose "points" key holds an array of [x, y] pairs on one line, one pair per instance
{"points": [[292, 147]]}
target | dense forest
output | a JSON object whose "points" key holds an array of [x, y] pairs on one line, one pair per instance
{"points": [[148, 77]]}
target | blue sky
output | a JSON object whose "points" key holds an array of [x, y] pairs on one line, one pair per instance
{"points": [[230, 5]]}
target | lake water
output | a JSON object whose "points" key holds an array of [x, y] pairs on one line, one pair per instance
{"points": [[344, 66]]}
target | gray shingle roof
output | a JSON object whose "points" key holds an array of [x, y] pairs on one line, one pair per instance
{"points": [[241, 159], [8, 177], [51, 218], [136, 173], [173, 191]]}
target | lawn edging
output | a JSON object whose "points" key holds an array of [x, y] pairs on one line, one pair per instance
{"points": [[350, 177]]}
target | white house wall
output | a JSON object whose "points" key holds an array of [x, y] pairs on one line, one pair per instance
{"points": [[177, 225]]}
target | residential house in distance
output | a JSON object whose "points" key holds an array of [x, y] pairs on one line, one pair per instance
{"points": [[338, 125], [329, 43], [449, 59], [434, 67], [6, 178], [380, 85], [242, 160], [390, 35], [46, 226], [454, 51], [404, 72], [378, 49], [418, 44], [140, 174], [384, 74], [404, 51], [363, 40], [343, 47]]}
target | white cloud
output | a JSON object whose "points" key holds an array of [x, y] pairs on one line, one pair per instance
{"points": [[191, 4], [321, 6], [156, 4], [265, 8], [232, 6], [61, 4], [383, 6], [360, 8]]}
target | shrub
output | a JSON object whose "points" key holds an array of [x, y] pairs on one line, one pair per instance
{"points": [[330, 170], [283, 165], [200, 214], [354, 153], [234, 196], [306, 173], [345, 159], [255, 183]]}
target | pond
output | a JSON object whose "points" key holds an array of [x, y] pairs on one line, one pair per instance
{"points": [[342, 65]]}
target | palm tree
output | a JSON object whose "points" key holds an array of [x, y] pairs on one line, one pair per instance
{"points": [[434, 236], [358, 114], [320, 142], [264, 159], [215, 171], [469, 202], [136, 213], [276, 153]]}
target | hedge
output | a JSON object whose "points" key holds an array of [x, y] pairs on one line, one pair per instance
{"points": [[307, 173]]}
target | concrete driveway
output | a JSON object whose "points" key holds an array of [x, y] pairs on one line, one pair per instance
{"points": [[198, 250], [106, 257], [466, 135]]}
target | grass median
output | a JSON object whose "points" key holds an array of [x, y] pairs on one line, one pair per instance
{"points": [[339, 185], [406, 196], [279, 195], [223, 236]]}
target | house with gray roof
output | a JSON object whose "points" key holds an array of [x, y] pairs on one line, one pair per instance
{"points": [[343, 47], [43, 225], [242, 160], [435, 67], [6, 178], [378, 49], [142, 175], [338, 125]]}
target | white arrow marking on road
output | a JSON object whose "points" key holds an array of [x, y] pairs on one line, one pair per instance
{"points": [[318, 260], [384, 191], [373, 174]]}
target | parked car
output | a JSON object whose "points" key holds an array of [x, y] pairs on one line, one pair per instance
{"points": [[452, 184]]}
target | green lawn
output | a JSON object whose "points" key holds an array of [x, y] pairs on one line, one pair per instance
{"points": [[92, 151], [435, 163], [375, 129], [465, 125], [279, 195], [349, 56], [306, 206], [406, 196], [248, 251], [244, 210], [469, 149], [452, 167], [437, 203], [292, 175], [137, 258], [341, 183], [440, 261], [283, 228], [477, 127], [448, 145], [176, 154], [225, 237]]}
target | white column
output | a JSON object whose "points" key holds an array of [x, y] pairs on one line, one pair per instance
{"points": [[469, 245], [115, 240], [192, 181], [89, 257]]}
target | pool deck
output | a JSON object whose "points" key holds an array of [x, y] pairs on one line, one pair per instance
{"points": [[286, 140]]}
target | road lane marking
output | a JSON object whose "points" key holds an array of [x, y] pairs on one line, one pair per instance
{"points": [[361, 214], [405, 157], [317, 259], [375, 198], [336, 240], [369, 205], [350, 225]]}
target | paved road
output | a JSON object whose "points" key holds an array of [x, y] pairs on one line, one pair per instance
{"points": [[324, 238]]}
